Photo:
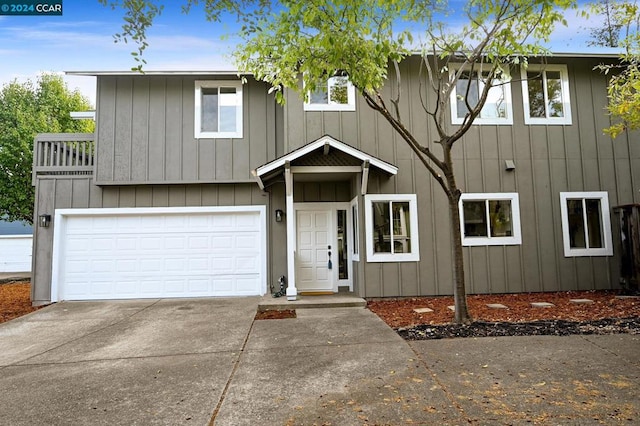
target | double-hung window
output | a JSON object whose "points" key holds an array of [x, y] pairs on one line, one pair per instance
{"points": [[218, 109], [545, 89], [335, 94], [490, 219], [586, 225], [391, 222], [469, 86]]}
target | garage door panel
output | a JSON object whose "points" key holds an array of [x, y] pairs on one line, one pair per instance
{"points": [[162, 255]]}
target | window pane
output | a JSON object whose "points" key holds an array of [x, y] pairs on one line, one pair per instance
{"points": [[343, 271], [228, 109], [461, 90], [500, 218], [576, 224], [209, 122], [339, 92], [354, 219], [554, 94], [227, 119], [475, 218], [594, 223], [536, 95], [495, 107], [320, 95], [381, 227], [401, 228]]}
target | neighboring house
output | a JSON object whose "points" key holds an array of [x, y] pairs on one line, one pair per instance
{"points": [[16, 241], [197, 185]]}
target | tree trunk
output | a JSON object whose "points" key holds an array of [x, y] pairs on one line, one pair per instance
{"points": [[459, 290]]}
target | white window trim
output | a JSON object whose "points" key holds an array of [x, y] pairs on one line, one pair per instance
{"points": [[453, 103], [603, 196], [515, 239], [414, 256], [355, 229], [566, 98], [204, 84], [331, 106]]}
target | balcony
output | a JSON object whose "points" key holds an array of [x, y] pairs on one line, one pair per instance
{"points": [[63, 154]]}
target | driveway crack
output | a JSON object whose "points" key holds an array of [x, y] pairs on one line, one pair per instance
{"points": [[233, 373], [449, 395]]}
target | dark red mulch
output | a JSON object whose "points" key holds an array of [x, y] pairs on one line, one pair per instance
{"points": [[263, 315]]}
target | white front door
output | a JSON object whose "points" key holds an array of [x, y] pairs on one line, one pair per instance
{"points": [[314, 254]]}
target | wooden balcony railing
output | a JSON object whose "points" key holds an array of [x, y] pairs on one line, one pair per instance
{"points": [[63, 153]]}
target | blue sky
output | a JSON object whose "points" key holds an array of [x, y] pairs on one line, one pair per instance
{"points": [[82, 39]]}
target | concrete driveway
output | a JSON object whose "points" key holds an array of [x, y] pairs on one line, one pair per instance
{"points": [[206, 361], [121, 362]]}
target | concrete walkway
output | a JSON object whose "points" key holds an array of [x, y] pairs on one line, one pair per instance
{"points": [[207, 361]]}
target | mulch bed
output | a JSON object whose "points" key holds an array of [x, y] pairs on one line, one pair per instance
{"points": [[607, 314], [264, 315], [533, 328], [15, 300]]}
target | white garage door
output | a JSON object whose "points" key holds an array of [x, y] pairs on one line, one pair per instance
{"points": [[149, 253]]}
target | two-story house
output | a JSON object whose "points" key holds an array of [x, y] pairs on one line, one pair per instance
{"points": [[195, 184]]}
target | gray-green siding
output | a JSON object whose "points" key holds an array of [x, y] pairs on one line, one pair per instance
{"points": [[145, 133], [147, 156], [549, 159]]}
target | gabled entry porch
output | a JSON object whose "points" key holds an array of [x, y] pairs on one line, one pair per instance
{"points": [[322, 236]]}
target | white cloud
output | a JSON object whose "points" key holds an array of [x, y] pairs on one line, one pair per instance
{"points": [[49, 38]]}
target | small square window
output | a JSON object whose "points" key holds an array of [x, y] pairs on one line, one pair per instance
{"points": [[497, 108], [490, 219], [336, 94], [586, 225], [392, 228], [546, 94], [218, 109]]}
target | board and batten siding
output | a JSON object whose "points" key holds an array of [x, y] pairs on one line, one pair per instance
{"points": [[549, 160], [145, 133], [57, 192]]}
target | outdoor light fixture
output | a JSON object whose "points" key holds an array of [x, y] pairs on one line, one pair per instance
{"points": [[44, 220], [279, 215]]}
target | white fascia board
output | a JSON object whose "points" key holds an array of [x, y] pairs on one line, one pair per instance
{"points": [[83, 115], [292, 156]]}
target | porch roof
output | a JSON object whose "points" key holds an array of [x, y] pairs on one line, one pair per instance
{"points": [[316, 154]]}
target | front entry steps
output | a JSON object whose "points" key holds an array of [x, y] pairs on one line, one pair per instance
{"points": [[336, 300]]}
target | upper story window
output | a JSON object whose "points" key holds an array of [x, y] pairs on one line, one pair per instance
{"points": [[336, 94], [497, 108], [391, 223], [218, 109], [490, 219], [545, 90], [586, 225]]}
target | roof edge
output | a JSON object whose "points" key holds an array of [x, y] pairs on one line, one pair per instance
{"points": [[158, 72], [235, 73]]}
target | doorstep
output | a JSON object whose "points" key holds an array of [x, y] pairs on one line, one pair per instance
{"points": [[336, 300]]}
